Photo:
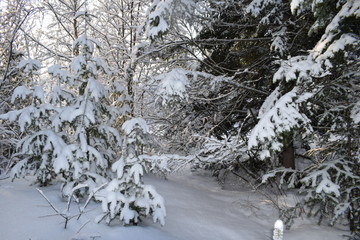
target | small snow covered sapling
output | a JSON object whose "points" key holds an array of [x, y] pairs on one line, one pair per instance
{"points": [[127, 197], [278, 230], [86, 117]]}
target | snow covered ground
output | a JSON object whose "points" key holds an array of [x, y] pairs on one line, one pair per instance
{"points": [[197, 208]]}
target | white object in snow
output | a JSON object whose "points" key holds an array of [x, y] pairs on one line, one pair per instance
{"points": [[278, 230]]}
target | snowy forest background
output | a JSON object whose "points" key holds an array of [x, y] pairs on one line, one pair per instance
{"points": [[96, 94]]}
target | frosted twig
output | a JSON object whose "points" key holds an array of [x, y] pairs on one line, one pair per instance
{"points": [[89, 198], [47, 199], [69, 201], [50, 215], [184, 161], [67, 218]]}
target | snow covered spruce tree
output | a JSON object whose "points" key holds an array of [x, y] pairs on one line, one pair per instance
{"points": [[87, 118], [312, 115], [72, 135], [126, 197]]}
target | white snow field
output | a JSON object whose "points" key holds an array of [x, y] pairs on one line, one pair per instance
{"points": [[197, 208]]}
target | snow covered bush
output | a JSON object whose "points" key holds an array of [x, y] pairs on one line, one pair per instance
{"points": [[126, 197], [16, 68]]}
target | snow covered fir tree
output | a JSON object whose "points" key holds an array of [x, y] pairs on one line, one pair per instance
{"points": [[127, 197], [261, 93], [72, 135]]}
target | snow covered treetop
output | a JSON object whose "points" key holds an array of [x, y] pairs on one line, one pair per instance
{"points": [[135, 123], [283, 116], [87, 44]]}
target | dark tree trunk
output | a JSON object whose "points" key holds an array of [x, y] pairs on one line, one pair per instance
{"points": [[287, 157]]}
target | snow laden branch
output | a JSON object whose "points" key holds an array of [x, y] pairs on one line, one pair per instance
{"points": [[283, 117], [328, 186], [175, 85], [163, 15], [282, 109]]}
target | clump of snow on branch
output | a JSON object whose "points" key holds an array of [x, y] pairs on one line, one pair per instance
{"points": [[20, 92], [300, 68], [269, 8], [29, 115], [284, 116], [57, 71], [173, 86], [321, 180], [87, 44], [270, 101], [298, 6], [96, 90], [279, 40], [135, 123], [336, 46], [162, 15], [348, 9], [29, 65], [78, 63]]}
